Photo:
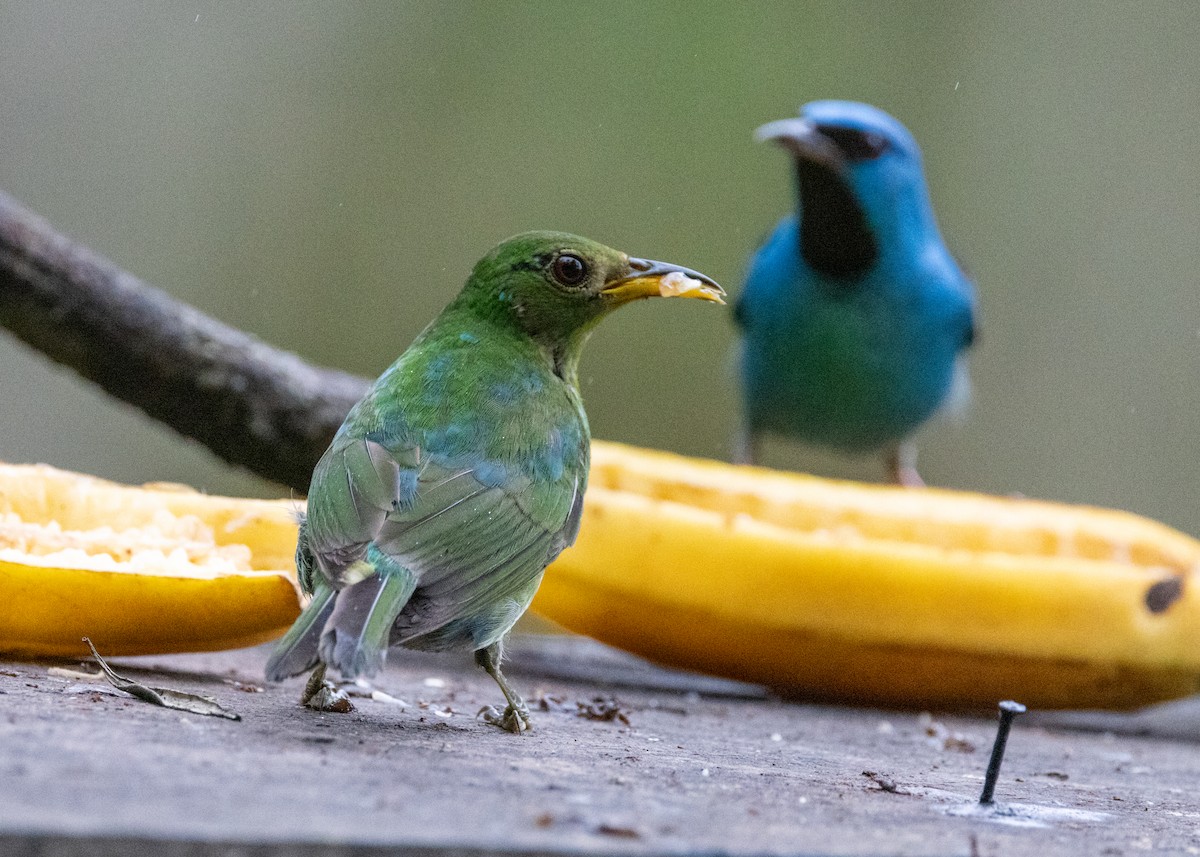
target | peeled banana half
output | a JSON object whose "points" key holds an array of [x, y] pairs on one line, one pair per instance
{"points": [[817, 588], [837, 590], [140, 571]]}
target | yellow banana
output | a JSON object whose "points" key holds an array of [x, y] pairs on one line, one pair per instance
{"points": [[139, 570], [839, 590]]}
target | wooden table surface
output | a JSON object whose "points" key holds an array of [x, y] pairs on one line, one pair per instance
{"points": [[626, 758]]}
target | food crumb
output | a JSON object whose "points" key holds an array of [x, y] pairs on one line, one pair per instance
{"points": [[678, 283]]}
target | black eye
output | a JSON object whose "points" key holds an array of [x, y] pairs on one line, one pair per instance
{"points": [[855, 145], [569, 270]]}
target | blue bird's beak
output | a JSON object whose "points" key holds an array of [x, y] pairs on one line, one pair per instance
{"points": [[802, 138], [650, 279]]}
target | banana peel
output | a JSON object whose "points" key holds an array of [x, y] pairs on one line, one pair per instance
{"points": [[836, 590], [141, 571], [818, 588]]}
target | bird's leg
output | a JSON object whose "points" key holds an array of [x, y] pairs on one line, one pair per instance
{"points": [[516, 716], [745, 445], [902, 465], [321, 695]]}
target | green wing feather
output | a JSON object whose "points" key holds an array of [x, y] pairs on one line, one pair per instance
{"points": [[296, 651], [357, 631], [426, 554], [447, 491]]}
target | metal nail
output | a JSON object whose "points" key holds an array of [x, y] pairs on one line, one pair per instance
{"points": [[1008, 710]]}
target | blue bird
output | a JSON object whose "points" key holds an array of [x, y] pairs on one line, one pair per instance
{"points": [[855, 318]]}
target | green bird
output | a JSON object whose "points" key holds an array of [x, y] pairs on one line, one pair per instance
{"points": [[460, 475]]}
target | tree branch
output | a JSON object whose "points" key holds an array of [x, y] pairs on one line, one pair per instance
{"points": [[253, 405]]}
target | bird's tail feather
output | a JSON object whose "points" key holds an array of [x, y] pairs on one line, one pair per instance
{"points": [[296, 651], [355, 638]]}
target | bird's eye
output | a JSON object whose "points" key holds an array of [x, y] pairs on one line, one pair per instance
{"points": [[855, 145], [569, 270]]}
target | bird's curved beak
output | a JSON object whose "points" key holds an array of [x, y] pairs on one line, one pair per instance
{"points": [[802, 138], [650, 279]]}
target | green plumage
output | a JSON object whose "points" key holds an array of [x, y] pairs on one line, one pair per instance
{"points": [[461, 474]]}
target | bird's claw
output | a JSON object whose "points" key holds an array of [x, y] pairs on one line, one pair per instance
{"points": [[514, 719], [322, 695]]}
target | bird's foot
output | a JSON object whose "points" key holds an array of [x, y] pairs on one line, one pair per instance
{"points": [[322, 695], [515, 719], [908, 477], [902, 466], [745, 447]]}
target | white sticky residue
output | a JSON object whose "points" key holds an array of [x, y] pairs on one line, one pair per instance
{"points": [[1026, 814]]}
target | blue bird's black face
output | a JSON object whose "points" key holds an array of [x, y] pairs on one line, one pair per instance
{"points": [[854, 144], [852, 161], [835, 237]]}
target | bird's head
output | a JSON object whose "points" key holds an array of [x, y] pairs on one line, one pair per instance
{"points": [[556, 286], [860, 181]]}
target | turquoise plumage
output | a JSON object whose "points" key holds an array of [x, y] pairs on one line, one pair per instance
{"points": [[855, 318]]}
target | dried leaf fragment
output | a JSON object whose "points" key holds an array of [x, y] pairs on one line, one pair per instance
{"points": [[163, 696], [621, 831], [600, 708], [885, 783]]}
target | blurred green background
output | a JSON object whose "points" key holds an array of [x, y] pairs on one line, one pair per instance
{"points": [[325, 174]]}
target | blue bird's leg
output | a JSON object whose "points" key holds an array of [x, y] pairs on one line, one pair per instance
{"points": [[516, 717], [902, 465], [745, 445]]}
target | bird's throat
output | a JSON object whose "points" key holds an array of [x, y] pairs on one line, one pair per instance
{"points": [[835, 238], [564, 359]]}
